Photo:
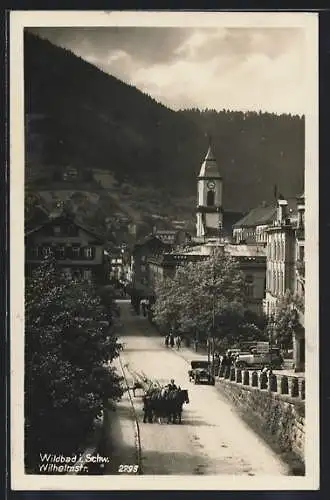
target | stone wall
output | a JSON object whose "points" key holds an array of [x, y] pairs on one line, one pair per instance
{"points": [[273, 406]]}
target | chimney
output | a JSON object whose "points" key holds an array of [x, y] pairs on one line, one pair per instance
{"points": [[301, 215], [282, 206]]}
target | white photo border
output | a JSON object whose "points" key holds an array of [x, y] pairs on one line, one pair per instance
{"points": [[18, 21]]}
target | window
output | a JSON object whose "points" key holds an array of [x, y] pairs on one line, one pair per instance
{"points": [[210, 198], [301, 255], [282, 282], [75, 251], [66, 272], [61, 252], [87, 274], [76, 274], [269, 279], [46, 251], [88, 252], [249, 285]]}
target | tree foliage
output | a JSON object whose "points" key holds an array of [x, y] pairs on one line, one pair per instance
{"points": [[204, 295], [287, 318], [69, 341]]}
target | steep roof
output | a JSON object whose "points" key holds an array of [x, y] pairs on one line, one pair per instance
{"points": [[150, 239], [209, 166], [65, 218], [266, 214], [257, 216]]}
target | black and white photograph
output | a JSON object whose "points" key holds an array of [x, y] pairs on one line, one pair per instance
{"points": [[164, 250]]}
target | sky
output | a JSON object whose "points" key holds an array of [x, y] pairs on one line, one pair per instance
{"points": [[242, 68]]}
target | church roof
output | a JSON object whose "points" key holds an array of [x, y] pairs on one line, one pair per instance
{"points": [[209, 166]]}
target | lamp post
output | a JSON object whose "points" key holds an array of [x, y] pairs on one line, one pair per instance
{"points": [[293, 330], [270, 337], [213, 323]]}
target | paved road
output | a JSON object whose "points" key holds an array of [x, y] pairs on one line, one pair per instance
{"points": [[212, 439]]}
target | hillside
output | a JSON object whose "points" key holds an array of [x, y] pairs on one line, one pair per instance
{"points": [[82, 117]]}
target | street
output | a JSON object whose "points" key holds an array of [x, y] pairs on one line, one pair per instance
{"points": [[212, 439]]}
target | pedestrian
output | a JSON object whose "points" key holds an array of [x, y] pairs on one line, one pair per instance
{"points": [[166, 340], [178, 342], [224, 361], [171, 386], [171, 340], [216, 364]]}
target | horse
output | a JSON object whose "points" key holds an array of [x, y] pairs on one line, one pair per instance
{"points": [[153, 404], [175, 401]]}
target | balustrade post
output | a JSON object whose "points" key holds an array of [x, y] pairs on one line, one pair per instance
{"points": [[294, 387], [284, 384], [246, 377], [254, 379], [273, 382], [239, 376], [263, 380]]}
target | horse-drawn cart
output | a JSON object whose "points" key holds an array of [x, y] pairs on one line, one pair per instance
{"points": [[159, 403], [200, 372]]}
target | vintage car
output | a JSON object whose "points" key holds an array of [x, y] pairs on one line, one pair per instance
{"points": [[256, 360], [201, 372]]}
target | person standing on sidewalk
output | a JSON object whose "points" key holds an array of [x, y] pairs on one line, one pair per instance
{"points": [[178, 342]]}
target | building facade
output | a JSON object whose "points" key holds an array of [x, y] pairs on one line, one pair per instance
{"points": [[286, 269], [281, 258], [142, 251], [78, 250], [252, 262], [172, 236]]}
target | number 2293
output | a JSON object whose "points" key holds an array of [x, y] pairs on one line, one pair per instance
{"points": [[128, 468]]}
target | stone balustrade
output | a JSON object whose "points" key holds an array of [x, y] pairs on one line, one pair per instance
{"points": [[285, 385]]}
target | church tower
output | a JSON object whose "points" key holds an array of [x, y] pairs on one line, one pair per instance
{"points": [[209, 198]]}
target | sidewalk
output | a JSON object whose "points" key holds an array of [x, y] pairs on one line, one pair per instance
{"points": [[121, 434], [189, 354]]}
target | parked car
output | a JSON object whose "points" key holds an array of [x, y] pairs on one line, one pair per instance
{"points": [[259, 360], [201, 371]]}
